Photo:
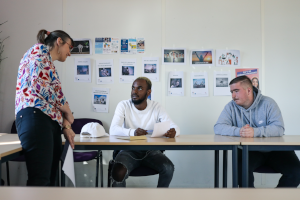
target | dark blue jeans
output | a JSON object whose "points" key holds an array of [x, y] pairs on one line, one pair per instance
{"points": [[154, 159], [284, 162], [41, 142]]}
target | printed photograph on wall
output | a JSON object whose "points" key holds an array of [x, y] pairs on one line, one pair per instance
{"points": [[105, 72], [252, 73], [82, 70], [175, 83], [203, 57], [199, 83], [150, 68], [174, 56], [128, 70], [221, 82], [82, 47], [100, 99], [228, 58]]}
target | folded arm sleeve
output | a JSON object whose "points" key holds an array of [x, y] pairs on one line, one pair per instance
{"points": [[116, 127], [163, 116], [224, 125], [46, 84], [275, 124]]}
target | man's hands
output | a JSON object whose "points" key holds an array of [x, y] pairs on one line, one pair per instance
{"points": [[170, 133], [69, 135], [139, 132], [247, 131]]}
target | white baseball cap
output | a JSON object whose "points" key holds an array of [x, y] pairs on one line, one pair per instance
{"points": [[93, 129]]}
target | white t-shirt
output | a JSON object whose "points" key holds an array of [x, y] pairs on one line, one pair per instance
{"points": [[128, 118]]}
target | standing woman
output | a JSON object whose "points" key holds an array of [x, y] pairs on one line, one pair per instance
{"points": [[41, 108]]}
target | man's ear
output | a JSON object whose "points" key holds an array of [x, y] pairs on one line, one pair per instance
{"points": [[149, 92]]}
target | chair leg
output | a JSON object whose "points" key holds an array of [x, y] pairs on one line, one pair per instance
{"points": [[62, 175], [101, 165], [110, 165], [7, 174], [97, 168]]}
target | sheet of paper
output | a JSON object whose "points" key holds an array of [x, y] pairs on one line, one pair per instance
{"points": [[100, 99], [221, 83], [68, 159], [199, 84], [228, 58], [176, 83], [104, 71], [252, 73], [202, 57], [82, 70], [140, 45], [151, 68], [128, 46], [106, 45], [143, 137], [160, 129], [127, 70], [82, 47], [174, 56]]}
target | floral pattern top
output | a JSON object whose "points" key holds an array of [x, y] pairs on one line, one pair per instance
{"points": [[38, 84]]}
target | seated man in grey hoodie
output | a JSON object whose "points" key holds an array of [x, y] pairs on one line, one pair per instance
{"points": [[250, 114]]}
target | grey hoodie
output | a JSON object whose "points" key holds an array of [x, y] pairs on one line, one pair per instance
{"points": [[264, 116]]}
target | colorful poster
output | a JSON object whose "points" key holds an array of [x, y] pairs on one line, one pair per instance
{"points": [[100, 99], [104, 71], [106, 45], [252, 73], [127, 70], [82, 70], [82, 47], [128, 46], [203, 57], [140, 45], [221, 83], [151, 68], [199, 84], [174, 56], [176, 83], [228, 58]]}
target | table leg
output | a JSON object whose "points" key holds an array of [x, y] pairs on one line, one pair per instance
{"points": [[234, 167], [245, 165], [216, 168], [0, 173], [225, 157]]}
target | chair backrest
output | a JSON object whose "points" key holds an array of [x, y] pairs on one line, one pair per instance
{"points": [[265, 169], [79, 123], [13, 128]]}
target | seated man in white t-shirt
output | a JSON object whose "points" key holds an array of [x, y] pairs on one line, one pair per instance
{"points": [[134, 117]]}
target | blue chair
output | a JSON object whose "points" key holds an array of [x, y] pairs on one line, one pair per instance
{"points": [[85, 156], [140, 171]]}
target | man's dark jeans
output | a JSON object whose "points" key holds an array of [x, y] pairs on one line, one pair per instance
{"points": [[41, 142], [284, 162], [153, 159]]}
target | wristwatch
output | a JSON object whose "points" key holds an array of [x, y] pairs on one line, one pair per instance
{"points": [[67, 126]]}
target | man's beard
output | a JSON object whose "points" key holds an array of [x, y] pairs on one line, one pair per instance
{"points": [[138, 102]]}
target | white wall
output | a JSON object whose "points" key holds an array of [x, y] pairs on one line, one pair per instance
{"points": [[217, 24]]}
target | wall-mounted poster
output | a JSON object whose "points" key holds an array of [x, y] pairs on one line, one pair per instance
{"points": [[82, 47], [174, 56], [104, 71], [106, 45], [128, 46], [203, 57], [228, 58], [100, 99], [221, 83], [127, 70], [176, 83], [140, 45], [83, 70], [252, 73], [199, 84], [151, 68]]}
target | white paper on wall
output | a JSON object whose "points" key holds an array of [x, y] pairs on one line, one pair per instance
{"points": [[104, 71], [127, 70], [100, 99], [221, 83], [82, 70], [199, 84], [150, 68], [228, 58], [176, 83]]}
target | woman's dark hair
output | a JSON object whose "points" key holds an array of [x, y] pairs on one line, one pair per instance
{"points": [[52, 37]]}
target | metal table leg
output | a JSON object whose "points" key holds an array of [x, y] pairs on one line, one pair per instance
{"points": [[216, 168], [245, 166], [234, 167], [225, 157]]}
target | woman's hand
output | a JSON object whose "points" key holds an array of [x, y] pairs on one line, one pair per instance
{"points": [[69, 135]]}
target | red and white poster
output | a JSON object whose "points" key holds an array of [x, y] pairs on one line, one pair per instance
{"points": [[252, 73]]}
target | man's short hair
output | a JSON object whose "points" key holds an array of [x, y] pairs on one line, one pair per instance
{"points": [[245, 80], [149, 83]]}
